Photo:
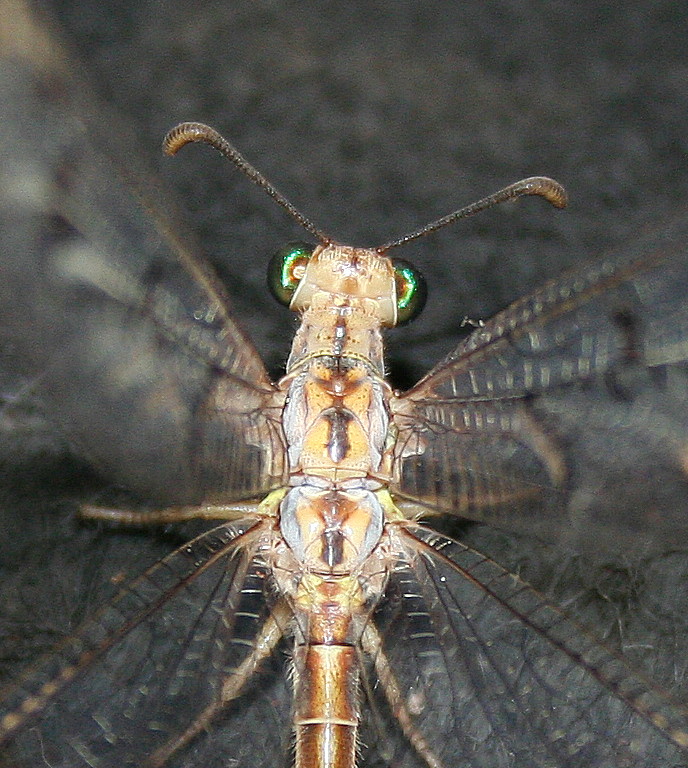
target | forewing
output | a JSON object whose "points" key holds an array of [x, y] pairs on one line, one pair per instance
{"points": [[125, 331], [566, 415], [143, 670], [492, 675]]}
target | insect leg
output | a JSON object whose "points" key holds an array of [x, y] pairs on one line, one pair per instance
{"points": [[264, 645], [373, 647], [170, 514]]}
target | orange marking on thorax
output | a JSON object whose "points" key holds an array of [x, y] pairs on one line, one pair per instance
{"points": [[337, 436]]}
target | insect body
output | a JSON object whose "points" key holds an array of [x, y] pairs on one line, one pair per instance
{"points": [[329, 559], [322, 624]]}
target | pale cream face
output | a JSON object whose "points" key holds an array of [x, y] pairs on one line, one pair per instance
{"points": [[355, 273]]}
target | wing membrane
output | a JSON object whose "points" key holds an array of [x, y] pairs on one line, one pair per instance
{"points": [[139, 673], [492, 675], [129, 332], [565, 416]]}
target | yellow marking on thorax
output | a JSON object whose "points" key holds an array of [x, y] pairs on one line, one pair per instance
{"points": [[329, 603]]}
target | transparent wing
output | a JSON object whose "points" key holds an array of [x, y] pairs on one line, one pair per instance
{"points": [[144, 670], [566, 415], [127, 332], [491, 675]]}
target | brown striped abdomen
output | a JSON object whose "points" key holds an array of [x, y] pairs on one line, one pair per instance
{"points": [[326, 713]]}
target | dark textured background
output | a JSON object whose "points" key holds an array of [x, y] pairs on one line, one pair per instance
{"points": [[373, 118]]}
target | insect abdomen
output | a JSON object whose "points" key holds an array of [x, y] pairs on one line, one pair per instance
{"points": [[326, 706]]}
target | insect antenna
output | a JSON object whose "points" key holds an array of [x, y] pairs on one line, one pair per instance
{"points": [[542, 186], [186, 133]]}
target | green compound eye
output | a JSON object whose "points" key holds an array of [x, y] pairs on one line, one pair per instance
{"points": [[411, 291], [286, 269]]}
